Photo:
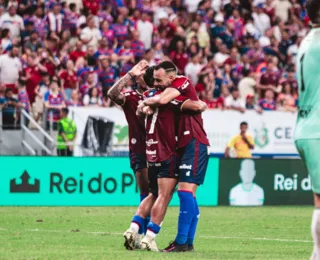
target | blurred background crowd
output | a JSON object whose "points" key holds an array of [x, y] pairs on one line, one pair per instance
{"points": [[240, 54]]}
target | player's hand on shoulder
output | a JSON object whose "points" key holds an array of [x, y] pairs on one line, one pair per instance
{"points": [[139, 68]]}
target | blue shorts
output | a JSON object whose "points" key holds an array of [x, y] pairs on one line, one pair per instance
{"points": [[137, 161], [193, 162], [166, 169]]}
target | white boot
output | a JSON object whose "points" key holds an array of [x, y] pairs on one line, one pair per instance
{"points": [[130, 237], [149, 243]]}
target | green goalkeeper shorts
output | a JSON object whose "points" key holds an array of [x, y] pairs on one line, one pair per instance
{"points": [[309, 150]]}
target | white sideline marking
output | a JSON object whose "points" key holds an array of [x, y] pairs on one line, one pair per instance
{"points": [[120, 234]]}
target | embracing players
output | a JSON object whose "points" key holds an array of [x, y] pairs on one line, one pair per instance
{"points": [[307, 132], [161, 131], [193, 151]]}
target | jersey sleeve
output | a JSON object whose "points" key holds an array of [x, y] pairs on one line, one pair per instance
{"points": [[178, 102], [183, 85], [232, 142]]}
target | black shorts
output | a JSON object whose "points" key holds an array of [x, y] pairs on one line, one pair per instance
{"points": [[166, 169], [137, 161], [193, 162]]}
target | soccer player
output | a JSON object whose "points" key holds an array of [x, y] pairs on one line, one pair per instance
{"points": [[137, 139], [163, 168], [193, 148], [307, 132]]}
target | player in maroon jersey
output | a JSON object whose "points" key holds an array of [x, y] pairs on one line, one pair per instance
{"points": [[163, 167], [193, 148], [137, 141]]}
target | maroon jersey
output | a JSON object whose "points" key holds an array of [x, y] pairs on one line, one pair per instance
{"points": [[137, 136], [190, 126], [161, 129]]}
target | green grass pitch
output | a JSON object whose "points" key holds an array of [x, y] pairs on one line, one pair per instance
{"points": [[96, 233]]}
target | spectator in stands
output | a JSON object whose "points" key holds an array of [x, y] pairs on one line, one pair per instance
{"points": [[54, 18], [107, 75], [179, 56], [91, 35], [10, 68], [32, 75], [234, 102], [145, 29], [92, 99], [54, 102], [34, 43], [193, 68], [247, 84], [69, 80], [261, 20], [40, 92], [288, 94], [77, 52], [5, 40], [75, 100], [270, 79], [251, 104], [9, 110], [241, 143], [222, 55], [268, 103], [12, 21]]}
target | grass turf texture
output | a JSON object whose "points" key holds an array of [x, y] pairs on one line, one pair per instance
{"points": [[223, 233]]}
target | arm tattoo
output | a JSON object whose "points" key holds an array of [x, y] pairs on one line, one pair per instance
{"points": [[114, 92]]}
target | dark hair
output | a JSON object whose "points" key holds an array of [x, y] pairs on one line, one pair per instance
{"points": [[8, 90], [72, 5], [243, 123], [168, 66], [148, 76], [313, 10], [65, 110], [4, 33], [29, 23]]}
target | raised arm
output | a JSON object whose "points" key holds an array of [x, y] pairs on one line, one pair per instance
{"points": [[114, 92]]}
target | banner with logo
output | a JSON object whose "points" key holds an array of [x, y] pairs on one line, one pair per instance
{"points": [[87, 181], [260, 182], [272, 131]]}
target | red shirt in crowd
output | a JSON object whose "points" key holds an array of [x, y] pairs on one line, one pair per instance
{"points": [[180, 60], [215, 103], [32, 81], [75, 55], [70, 80], [270, 78]]}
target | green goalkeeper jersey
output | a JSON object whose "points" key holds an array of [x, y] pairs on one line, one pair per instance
{"points": [[308, 74]]}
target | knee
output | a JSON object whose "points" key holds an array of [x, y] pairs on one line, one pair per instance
{"points": [[165, 196]]}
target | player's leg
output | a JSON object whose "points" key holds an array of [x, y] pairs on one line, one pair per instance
{"points": [[166, 183], [309, 150], [192, 171], [139, 166], [134, 233]]}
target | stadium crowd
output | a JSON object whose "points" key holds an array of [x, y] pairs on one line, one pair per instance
{"points": [[240, 54]]}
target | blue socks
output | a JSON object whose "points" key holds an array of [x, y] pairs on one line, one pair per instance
{"points": [[143, 196], [147, 219], [187, 212], [154, 227], [140, 222], [194, 222]]}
